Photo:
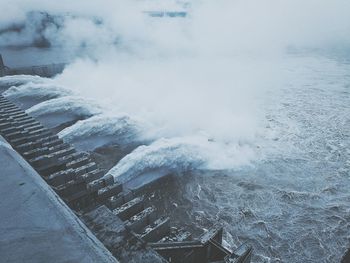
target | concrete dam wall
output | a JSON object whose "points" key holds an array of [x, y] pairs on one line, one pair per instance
{"points": [[46, 71]]}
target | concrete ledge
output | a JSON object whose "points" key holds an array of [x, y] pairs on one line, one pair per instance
{"points": [[35, 224]]}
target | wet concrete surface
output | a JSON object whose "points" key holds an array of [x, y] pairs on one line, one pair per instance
{"points": [[35, 224]]}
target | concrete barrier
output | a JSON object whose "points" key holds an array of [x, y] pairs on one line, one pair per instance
{"points": [[35, 225], [46, 71]]}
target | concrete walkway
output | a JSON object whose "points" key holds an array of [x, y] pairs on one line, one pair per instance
{"points": [[35, 225]]}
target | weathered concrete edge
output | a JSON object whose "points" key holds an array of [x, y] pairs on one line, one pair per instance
{"points": [[81, 231]]}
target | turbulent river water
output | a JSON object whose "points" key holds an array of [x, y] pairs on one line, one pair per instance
{"points": [[293, 205], [247, 102], [291, 201]]}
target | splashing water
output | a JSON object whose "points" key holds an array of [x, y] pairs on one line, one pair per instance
{"points": [[265, 132], [74, 104], [36, 90], [103, 129]]}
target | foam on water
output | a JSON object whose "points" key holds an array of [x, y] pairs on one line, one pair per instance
{"points": [[293, 205]]}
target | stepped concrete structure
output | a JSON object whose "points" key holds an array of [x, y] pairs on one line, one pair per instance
{"points": [[35, 224]]}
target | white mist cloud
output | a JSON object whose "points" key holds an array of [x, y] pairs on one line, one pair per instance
{"points": [[206, 73], [179, 96], [222, 25]]}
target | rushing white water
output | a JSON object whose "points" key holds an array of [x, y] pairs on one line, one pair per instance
{"points": [[75, 105], [36, 90], [55, 112], [252, 97], [293, 206], [30, 94], [8, 81], [177, 155], [103, 129], [291, 200], [19, 80], [169, 155]]}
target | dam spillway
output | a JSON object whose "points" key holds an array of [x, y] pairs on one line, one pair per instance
{"points": [[126, 223]]}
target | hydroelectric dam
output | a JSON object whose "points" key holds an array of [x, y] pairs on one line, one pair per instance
{"points": [[59, 204]]}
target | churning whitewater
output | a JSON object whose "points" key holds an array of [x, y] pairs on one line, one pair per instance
{"points": [[103, 129], [247, 101], [286, 189]]}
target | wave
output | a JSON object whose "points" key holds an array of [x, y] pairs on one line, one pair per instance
{"points": [[77, 105], [167, 155], [9, 81], [30, 94], [100, 130], [177, 155], [20, 79], [36, 90], [55, 112]]}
